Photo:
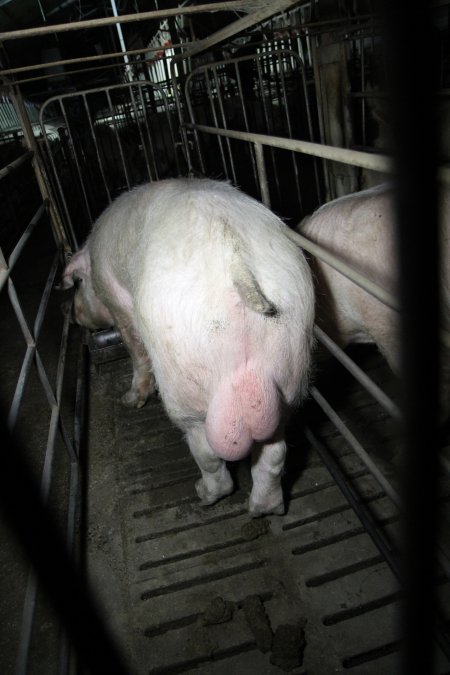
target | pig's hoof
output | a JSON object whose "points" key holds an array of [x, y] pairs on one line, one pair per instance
{"points": [[208, 497], [257, 510], [132, 400]]}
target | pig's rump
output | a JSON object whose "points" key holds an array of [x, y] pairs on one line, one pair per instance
{"points": [[216, 359]]}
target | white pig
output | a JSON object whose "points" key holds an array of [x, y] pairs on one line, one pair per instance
{"points": [[360, 230], [205, 285]]}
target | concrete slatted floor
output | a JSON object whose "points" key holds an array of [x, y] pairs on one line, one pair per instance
{"points": [[169, 558]]}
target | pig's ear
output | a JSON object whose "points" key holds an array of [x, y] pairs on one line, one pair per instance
{"points": [[67, 281], [78, 267]]}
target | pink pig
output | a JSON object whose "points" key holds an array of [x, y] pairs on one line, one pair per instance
{"points": [[359, 229], [212, 296]]}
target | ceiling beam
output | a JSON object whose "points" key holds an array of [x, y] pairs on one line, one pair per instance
{"points": [[233, 5]]}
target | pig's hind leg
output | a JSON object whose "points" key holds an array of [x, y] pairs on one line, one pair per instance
{"points": [[216, 481], [143, 382], [267, 467]]}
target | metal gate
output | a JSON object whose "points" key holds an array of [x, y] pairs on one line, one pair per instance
{"points": [[110, 140], [267, 93]]}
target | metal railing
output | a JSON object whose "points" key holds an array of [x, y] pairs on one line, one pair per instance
{"points": [[110, 139], [267, 93], [376, 163], [46, 397]]}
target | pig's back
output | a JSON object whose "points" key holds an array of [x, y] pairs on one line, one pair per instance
{"points": [[359, 229]]}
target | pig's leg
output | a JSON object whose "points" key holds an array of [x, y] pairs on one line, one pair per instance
{"points": [[143, 382], [216, 481], [267, 466]]}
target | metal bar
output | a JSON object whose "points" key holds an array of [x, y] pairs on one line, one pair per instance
{"points": [[30, 596], [29, 606], [235, 5], [13, 166], [119, 142], [363, 89], [94, 138], [6, 268], [53, 401], [334, 262], [87, 59], [262, 174], [78, 71], [20, 386], [30, 339], [59, 233], [149, 138], [348, 363], [25, 236], [222, 112], [47, 470], [214, 113], [121, 41], [356, 445], [75, 479], [184, 139], [355, 502], [320, 109], [45, 297], [77, 163], [268, 124], [366, 160], [244, 110], [175, 143], [138, 124], [68, 219], [311, 133], [4, 271], [416, 202], [288, 119], [238, 26]]}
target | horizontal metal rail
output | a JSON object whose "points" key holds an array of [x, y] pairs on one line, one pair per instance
{"points": [[378, 394], [233, 5], [88, 59], [365, 160], [336, 263], [17, 163], [356, 446]]}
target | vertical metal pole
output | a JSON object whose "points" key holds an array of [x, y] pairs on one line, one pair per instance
{"points": [[128, 68], [262, 174], [413, 117], [320, 107], [57, 226]]}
